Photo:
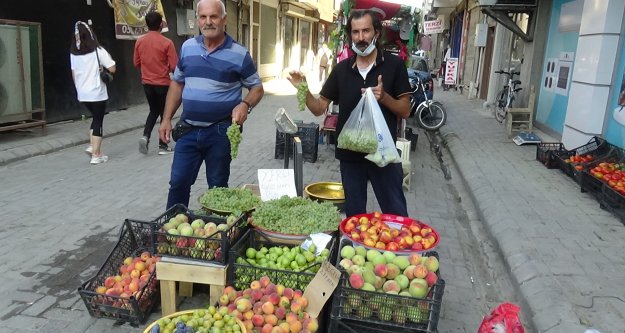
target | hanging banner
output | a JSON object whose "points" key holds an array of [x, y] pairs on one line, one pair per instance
{"points": [[130, 17], [451, 71], [433, 27]]}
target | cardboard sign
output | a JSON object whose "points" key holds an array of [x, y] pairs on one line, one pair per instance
{"points": [[275, 183], [451, 70], [130, 17], [321, 288]]}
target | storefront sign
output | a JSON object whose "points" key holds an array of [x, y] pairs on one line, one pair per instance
{"points": [[275, 183], [433, 27], [451, 71], [130, 17]]}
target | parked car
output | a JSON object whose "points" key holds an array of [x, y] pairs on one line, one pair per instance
{"points": [[419, 70]]}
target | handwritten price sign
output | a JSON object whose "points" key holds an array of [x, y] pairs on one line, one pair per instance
{"points": [[275, 183]]}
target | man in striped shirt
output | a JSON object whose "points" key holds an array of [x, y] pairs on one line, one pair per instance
{"points": [[207, 82]]}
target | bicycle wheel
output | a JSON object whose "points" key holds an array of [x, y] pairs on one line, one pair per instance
{"points": [[500, 105], [431, 116]]}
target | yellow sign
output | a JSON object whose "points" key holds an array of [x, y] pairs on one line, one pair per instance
{"points": [[130, 17]]}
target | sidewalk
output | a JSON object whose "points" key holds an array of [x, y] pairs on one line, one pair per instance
{"points": [[563, 252]]}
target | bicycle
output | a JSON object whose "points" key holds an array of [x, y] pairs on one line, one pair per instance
{"points": [[506, 96]]}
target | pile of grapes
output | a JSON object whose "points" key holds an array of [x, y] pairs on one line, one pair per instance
{"points": [[296, 216], [234, 135], [199, 321], [234, 200]]}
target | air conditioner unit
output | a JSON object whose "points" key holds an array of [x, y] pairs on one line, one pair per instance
{"points": [[487, 2]]}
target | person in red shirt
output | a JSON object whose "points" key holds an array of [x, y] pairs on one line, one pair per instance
{"points": [[155, 55]]}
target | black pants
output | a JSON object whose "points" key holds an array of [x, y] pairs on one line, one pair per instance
{"points": [[156, 96], [386, 183], [97, 110]]}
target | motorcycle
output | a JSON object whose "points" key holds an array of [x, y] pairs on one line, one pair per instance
{"points": [[429, 114]]}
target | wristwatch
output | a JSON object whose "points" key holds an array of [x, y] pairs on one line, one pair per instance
{"points": [[249, 106]]}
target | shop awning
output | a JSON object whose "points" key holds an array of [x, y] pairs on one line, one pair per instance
{"points": [[386, 9], [503, 11]]}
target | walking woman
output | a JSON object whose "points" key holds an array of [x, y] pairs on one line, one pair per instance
{"points": [[86, 57]]}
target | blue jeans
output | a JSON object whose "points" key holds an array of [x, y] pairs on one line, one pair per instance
{"points": [[202, 144], [386, 183]]}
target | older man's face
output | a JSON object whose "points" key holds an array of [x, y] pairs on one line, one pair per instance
{"points": [[211, 19]]}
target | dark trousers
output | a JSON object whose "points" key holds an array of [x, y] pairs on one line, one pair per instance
{"points": [[156, 96], [97, 110], [386, 183]]}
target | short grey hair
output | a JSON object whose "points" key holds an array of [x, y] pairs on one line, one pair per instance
{"points": [[223, 7]]}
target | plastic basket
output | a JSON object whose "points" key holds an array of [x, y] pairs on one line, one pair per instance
{"points": [[545, 153], [213, 248], [134, 310], [240, 275], [416, 314], [592, 184], [597, 147]]}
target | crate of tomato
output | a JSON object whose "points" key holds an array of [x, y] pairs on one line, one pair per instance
{"points": [[573, 162], [609, 170]]}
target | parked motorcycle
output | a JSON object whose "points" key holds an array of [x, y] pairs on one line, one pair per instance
{"points": [[429, 114]]}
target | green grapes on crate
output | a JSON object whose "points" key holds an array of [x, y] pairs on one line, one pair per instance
{"points": [[234, 135], [302, 91]]}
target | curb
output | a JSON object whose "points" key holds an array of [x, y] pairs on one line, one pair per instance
{"points": [[540, 294]]}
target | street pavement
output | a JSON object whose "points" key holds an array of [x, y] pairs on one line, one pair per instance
{"points": [[511, 230]]}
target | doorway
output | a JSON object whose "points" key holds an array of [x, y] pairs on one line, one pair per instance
{"points": [[488, 57]]}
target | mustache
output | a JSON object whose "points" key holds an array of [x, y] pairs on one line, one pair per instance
{"points": [[209, 27], [362, 43]]}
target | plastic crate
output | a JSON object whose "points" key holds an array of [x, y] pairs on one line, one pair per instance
{"points": [[355, 326], [213, 248], [309, 134], [597, 147], [406, 313], [132, 242], [240, 275], [590, 183], [545, 153]]}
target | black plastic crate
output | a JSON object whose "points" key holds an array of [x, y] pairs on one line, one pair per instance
{"points": [[545, 153], [590, 183], [597, 147], [134, 310], [355, 326], [212, 248], [240, 275], [309, 134], [372, 308]]}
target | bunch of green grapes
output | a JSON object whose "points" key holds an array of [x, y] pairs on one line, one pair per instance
{"points": [[234, 135], [302, 90]]}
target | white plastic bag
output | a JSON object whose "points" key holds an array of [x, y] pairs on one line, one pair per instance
{"points": [[359, 133], [386, 152]]}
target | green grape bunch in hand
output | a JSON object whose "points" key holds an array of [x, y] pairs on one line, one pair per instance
{"points": [[234, 135], [302, 90]]}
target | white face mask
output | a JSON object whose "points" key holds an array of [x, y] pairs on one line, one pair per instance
{"points": [[367, 51]]}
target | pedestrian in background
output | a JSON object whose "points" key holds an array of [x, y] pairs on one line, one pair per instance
{"points": [[385, 73], [86, 57], [207, 81], [324, 54], [155, 55]]}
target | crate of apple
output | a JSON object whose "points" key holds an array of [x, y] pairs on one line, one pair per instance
{"points": [[390, 232]]}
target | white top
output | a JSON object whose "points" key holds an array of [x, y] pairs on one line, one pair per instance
{"points": [[365, 71], [89, 86]]}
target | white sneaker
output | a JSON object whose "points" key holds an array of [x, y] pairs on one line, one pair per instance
{"points": [[143, 145], [99, 159], [89, 150]]}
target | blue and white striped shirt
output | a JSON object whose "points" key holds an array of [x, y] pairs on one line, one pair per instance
{"points": [[213, 80]]}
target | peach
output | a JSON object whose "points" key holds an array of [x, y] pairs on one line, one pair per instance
{"points": [[270, 289], [271, 319], [381, 270], [249, 326], [100, 290], [109, 282], [392, 271], [224, 300], [268, 308], [128, 261], [280, 313], [266, 328], [295, 326], [284, 302], [431, 278], [255, 285], [231, 307], [141, 266], [112, 292], [256, 294], [297, 294], [133, 286], [135, 273], [415, 259], [391, 285], [420, 271], [356, 281], [285, 327], [291, 316], [312, 325], [123, 269], [296, 306], [280, 289], [369, 242], [288, 293], [258, 320], [230, 292], [304, 301], [431, 263], [243, 305], [274, 299], [385, 236], [264, 281], [380, 245], [247, 315], [257, 308]]}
